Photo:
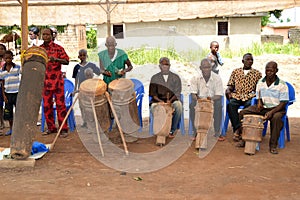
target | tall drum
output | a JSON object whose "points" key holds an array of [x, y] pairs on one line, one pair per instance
{"points": [[162, 121], [94, 89], [124, 101], [203, 119], [29, 101], [253, 126]]}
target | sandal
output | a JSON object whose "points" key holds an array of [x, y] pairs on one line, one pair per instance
{"points": [[241, 144], [221, 138], [8, 132], [273, 151], [48, 132], [236, 137]]}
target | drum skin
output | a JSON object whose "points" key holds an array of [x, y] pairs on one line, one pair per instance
{"points": [[252, 128]]}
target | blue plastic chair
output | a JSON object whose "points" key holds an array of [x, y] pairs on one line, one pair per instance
{"points": [[139, 94], [226, 121], [285, 119], [180, 124], [222, 121], [69, 88]]}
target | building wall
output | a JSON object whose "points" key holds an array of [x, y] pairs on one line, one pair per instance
{"points": [[187, 34]]}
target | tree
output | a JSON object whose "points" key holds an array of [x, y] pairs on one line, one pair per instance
{"points": [[266, 19]]}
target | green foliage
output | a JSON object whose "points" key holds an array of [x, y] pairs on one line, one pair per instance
{"points": [[91, 37], [266, 19]]}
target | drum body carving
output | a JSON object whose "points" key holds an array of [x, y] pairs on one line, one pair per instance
{"points": [[203, 119], [94, 89], [124, 101], [162, 121], [253, 126], [29, 101]]}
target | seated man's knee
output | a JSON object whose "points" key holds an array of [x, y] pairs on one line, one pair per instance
{"points": [[177, 105]]}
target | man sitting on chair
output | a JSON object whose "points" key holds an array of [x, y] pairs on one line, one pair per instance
{"points": [[272, 94], [165, 87], [207, 85]]}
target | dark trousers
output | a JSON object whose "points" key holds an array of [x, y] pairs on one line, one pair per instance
{"points": [[217, 114], [232, 109], [276, 122]]}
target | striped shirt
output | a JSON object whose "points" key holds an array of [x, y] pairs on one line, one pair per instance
{"points": [[11, 78], [274, 94]]}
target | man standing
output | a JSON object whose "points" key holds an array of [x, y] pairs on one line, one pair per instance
{"points": [[241, 89], [54, 83], [207, 85], [165, 87], [112, 61], [272, 94]]}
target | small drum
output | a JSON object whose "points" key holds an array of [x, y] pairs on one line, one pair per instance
{"points": [[253, 126], [34, 63], [203, 119], [124, 101], [162, 121], [94, 89]]}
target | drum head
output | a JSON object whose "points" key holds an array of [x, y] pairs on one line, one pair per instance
{"points": [[121, 84], [94, 87]]}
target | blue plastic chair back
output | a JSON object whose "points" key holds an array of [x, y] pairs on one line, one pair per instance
{"points": [[139, 93], [69, 88]]}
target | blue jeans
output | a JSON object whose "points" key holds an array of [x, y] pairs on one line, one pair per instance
{"points": [[177, 105]]}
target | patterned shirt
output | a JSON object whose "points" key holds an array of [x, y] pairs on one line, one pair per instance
{"points": [[203, 89], [11, 78], [274, 94], [244, 86], [53, 75]]}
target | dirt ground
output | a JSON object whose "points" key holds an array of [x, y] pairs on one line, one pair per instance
{"points": [[70, 172]]}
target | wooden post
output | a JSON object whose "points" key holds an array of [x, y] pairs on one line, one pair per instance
{"points": [[24, 25]]}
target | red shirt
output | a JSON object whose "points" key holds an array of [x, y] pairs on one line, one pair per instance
{"points": [[53, 75]]}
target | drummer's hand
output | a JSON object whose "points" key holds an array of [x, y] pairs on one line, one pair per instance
{"points": [[259, 108], [228, 94], [208, 98], [122, 73], [107, 73], [268, 115], [52, 59]]}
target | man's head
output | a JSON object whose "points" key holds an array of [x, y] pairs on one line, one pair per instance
{"points": [[214, 47], [82, 54], [111, 44], [54, 30], [2, 50], [88, 73], [164, 65], [34, 32], [47, 35], [271, 70], [206, 67], [247, 61], [8, 57]]}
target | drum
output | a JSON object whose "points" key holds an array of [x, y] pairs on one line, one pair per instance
{"points": [[94, 89], [124, 102], [162, 121], [29, 100], [203, 119], [253, 126]]}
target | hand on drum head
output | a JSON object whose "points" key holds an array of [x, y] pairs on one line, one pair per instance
{"points": [[268, 115], [107, 73]]}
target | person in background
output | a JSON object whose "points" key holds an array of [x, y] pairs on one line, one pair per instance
{"points": [[207, 85], [2, 62], [34, 33], [240, 91], [54, 84], [82, 71], [165, 86], [215, 57], [112, 61], [272, 94], [10, 75], [54, 30]]}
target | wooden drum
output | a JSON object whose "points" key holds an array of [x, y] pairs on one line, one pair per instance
{"points": [[124, 101], [34, 63], [203, 119], [253, 126], [162, 121], [94, 89]]}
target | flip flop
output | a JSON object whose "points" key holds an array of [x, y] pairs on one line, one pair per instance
{"points": [[8, 132], [273, 151], [221, 138]]}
